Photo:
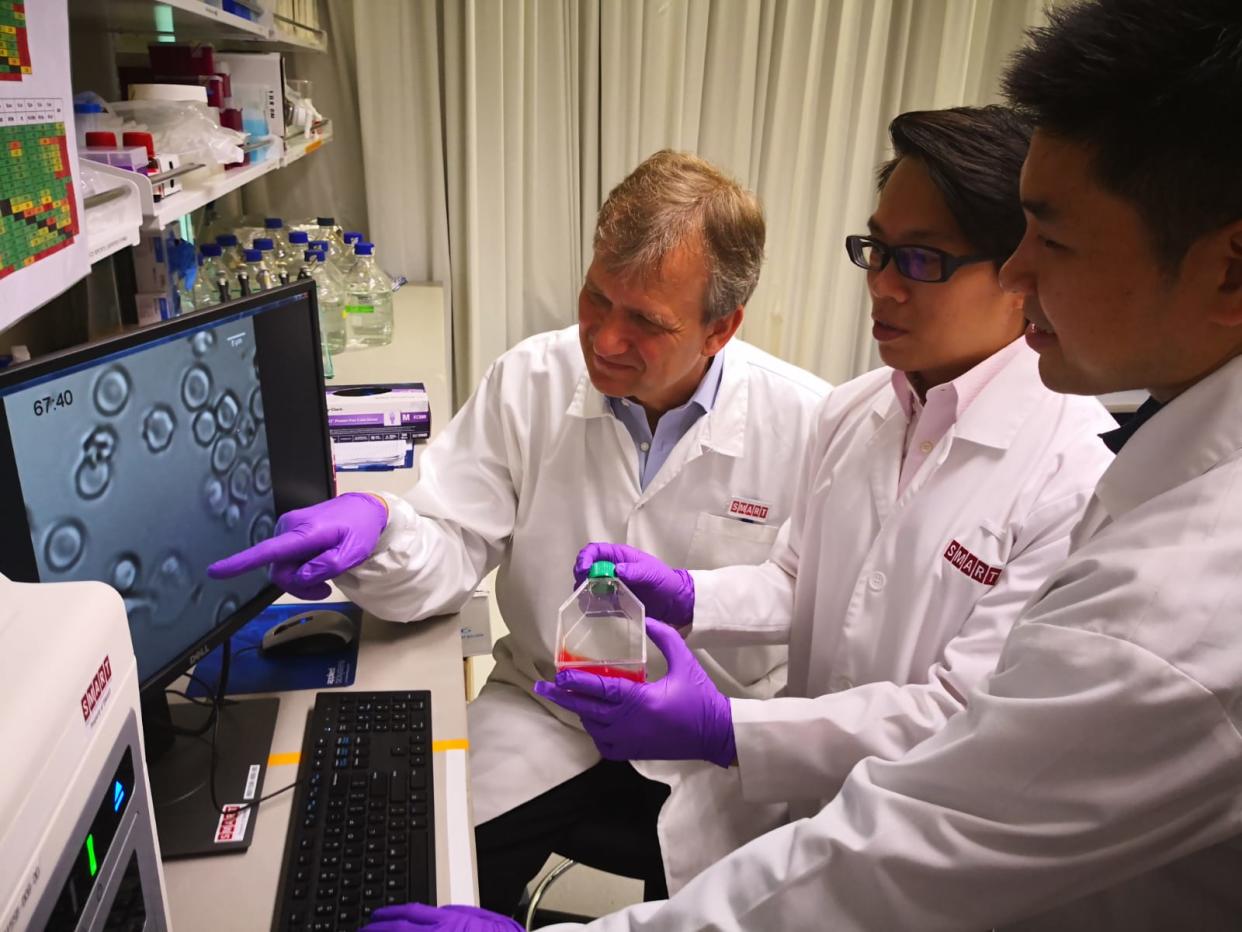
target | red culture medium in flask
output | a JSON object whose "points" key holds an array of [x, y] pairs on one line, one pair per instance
{"points": [[567, 661]]}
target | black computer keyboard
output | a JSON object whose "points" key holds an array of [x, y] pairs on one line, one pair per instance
{"points": [[362, 830]]}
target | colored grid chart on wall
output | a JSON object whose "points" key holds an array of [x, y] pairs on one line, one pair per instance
{"points": [[38, 213], [14, 43]]}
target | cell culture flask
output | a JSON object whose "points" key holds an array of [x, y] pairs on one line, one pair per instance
{"points": [[600, 628]]}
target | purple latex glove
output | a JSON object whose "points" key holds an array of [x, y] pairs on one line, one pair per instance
{"points": [[666, 593], [680, 717], [418, 917], [312, 545]]}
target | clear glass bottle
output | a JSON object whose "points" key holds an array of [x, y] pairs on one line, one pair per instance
{"points": [[271, 261], [309, 257], [283, 254], [225, 288], [231, 253], [329, 370], [368, 301], [221, 275], [333, 268], [206, 291], [259, 276], [213, 259], [200, 296], [601, 629], [297, 243], [345, 261], [330, 233], [331, 302], [185, 296]]}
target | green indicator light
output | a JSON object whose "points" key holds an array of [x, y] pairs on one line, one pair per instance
{"points": [[90, 854]]}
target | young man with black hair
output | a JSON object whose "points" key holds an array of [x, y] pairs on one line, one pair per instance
{"points": [[1095, 780]]}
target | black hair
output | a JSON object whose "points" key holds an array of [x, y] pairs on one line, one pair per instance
{"points": [[974, 156], [1153, 90]]}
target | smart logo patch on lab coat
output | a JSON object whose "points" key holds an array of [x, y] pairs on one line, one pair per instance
{"points": [[748, 510], [971, 565]]}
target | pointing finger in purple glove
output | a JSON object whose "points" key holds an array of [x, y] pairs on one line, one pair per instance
{"points": [[666, 593], [680, 717], [418, 917], [313, 545]]}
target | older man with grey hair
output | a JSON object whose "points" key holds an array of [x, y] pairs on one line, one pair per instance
{"points": [[648, 423]]}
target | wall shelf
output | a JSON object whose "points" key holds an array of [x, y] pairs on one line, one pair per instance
{"points": [[200, 187], [297, 36], [199, 21], [194, 21], [113, 212], [298, 146], [188, 20]]}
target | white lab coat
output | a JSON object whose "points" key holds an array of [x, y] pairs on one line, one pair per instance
{"points": [[533, 467], [1095, 780], [885, 633]]}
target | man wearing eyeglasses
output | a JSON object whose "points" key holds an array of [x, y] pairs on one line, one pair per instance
{"points": [[937, 495]]}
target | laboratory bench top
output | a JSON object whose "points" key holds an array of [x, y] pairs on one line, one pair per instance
{"points": [[238, 891]]}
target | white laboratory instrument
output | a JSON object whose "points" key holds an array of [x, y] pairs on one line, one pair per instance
{"points": [[78, 849]]}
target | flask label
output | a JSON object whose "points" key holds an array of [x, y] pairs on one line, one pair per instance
{"points": [[359, 308]]}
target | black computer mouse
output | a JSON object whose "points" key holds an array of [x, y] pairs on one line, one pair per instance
{"points": [[318, 631]]}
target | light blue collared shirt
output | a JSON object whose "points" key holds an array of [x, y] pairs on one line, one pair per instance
{"points": [[653, 450]]}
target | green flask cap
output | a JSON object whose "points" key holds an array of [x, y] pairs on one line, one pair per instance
{"points": [[602, 568], [602, 571]]}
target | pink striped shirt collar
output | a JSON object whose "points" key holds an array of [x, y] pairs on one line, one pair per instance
{"points": [[928, 421], [961, 391]]}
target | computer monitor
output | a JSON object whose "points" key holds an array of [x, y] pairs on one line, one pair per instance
{"points": [[139, 460]]}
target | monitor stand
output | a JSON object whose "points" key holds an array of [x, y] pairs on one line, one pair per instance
{"points": [[188, 822]]}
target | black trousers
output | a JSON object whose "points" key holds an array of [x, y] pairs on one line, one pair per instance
{"points": [[605, 818]]}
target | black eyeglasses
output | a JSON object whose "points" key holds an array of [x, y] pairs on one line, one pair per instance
{"points": [[918, 263]]}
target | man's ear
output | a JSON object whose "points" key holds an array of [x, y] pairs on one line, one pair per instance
{"points": [[1227, 302], [720, 332]]}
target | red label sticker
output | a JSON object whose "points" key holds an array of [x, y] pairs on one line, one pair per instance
{"points": [[95, 691], [232, 824], [970, 565], [751, 511]]}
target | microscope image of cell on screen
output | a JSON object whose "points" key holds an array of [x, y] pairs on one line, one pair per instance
{"points": [[184, 418], [137, 461]]}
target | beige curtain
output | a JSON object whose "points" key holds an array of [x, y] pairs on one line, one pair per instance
{"points": [[794, 98], [492, 130], [519, 118]]}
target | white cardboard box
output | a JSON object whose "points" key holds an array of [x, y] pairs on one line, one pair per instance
{"points": [[152, 271], [476, 627], [265, 71]]}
